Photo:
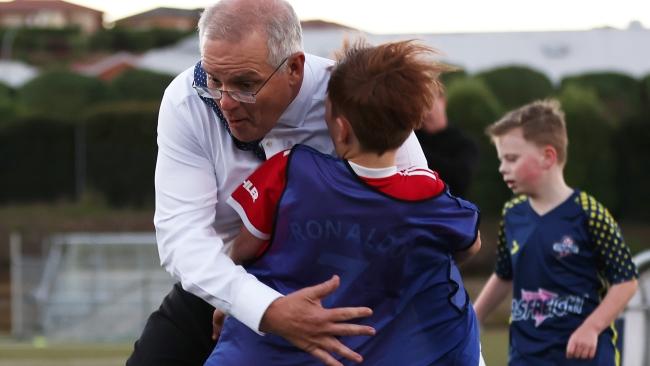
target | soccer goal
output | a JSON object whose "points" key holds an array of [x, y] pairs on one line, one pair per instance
{"points": [[91, 287]]}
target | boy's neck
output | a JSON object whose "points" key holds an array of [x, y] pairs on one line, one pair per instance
{"points": [[550, 194]]}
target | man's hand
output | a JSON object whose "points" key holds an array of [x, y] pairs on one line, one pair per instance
{"points": [[582, 343], [301, 319], [217, 323]]}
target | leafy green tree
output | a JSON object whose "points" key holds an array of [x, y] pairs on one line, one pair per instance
{"points": [[139, 85], [7, 105], [591, 160], [449, 78], [37, 161], [121, 152], [472, 107], [60, 95], [515, 86], [619, 94], [632, 151], [645, 97], [633, 178]]}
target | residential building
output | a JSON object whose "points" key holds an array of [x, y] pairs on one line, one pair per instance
{"points": [[166, 18], [49, 14], [109, 67]]}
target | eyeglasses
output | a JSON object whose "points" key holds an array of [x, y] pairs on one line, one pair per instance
{"points": [[238, 95]]}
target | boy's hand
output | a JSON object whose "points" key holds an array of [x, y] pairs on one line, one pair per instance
{"points": [[217, 323], [583, 343]]}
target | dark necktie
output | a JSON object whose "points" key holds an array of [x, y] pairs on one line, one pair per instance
{"points": [[200, 79]]}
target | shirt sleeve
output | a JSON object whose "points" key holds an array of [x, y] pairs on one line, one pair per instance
{"points": [[186, 194], [503, 266], [613, 255], [256, 199], [466, 222]]}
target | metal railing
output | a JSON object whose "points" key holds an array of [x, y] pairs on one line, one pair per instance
{"points": [[636, 334]]}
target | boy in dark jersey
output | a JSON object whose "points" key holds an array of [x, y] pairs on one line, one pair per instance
{"points": [[394, 237], [560, 251]]}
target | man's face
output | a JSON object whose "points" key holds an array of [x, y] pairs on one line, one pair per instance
{"points": [[243, 66]]}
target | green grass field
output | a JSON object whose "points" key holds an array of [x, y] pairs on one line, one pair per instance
{"points": [[39, 353]]}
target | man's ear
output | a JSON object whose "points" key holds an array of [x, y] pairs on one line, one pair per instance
{"points": [[296, 68], [550, 156]]}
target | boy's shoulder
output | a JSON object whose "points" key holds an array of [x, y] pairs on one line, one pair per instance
{"points": [[514, 204], [308, 150], [591, 207]]}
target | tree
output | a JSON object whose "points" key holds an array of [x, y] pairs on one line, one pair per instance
{"points": [[61, 95], [472, 107], [515, 86]]}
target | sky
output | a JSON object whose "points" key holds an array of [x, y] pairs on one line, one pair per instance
{"points": [[434, 16]]}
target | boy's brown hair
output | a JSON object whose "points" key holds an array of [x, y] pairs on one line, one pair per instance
{"points": [[542, 123], [384, 91]]}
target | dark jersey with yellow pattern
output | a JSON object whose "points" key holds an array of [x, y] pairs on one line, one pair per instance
{"points": [[561, 264]]}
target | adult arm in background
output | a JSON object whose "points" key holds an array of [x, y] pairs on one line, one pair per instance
{"points": [[192, 251]]}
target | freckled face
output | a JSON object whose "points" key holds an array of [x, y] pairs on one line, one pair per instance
{"points": [[520, 162], [243, 66]]}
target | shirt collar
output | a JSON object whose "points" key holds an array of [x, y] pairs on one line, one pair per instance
{"points": [[297, 110], [365, 172]]}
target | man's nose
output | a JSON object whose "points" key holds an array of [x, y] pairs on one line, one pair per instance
{"points": [[227, 102]]}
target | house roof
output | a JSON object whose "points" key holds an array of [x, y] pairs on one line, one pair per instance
{"points": [[164, 12], [32, 5], [100, 66], [15, 74]]}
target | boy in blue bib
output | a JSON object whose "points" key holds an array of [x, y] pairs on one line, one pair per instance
{"points": [[394, 237]]}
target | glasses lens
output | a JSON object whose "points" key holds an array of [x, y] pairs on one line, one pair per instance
{"points": [[217, 94], [241, 96]]}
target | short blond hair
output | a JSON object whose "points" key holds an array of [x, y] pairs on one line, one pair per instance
{"points": [[542, 123]]}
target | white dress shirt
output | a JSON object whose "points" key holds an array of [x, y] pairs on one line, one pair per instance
{"points": [[198, 167]]}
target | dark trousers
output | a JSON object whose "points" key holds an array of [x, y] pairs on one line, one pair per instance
{"points": [[178, 333]]}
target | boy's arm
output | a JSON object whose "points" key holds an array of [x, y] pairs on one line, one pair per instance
{"points": [[495, 290], [246, 247], [584, 340], [464, 255]]}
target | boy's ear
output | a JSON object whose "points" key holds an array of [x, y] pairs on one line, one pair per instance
{"points": [[343, 129], [550, 156]]}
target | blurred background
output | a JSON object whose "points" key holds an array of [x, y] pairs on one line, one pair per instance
{"points": [[80, 88]]}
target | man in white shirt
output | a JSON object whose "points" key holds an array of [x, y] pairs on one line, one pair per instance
{"points": [[254, 93]]}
